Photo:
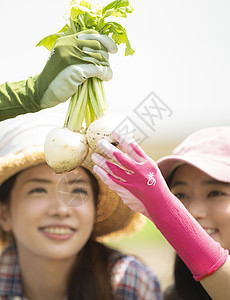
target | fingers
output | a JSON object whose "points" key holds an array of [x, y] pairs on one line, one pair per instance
{"points": [[91, 70], [100, 161], [120, 188], [110, 167], [66, 82], [102, 174], [96, 58], [139, 151], [103, 73], [93, 51], [125, 144], [116, 155], [107, 148], [131, 147], [106, 41], [112, 182], [102, 52]]}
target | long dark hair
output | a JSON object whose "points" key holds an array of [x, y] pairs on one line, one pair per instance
{"points": [[91, 274], [186, 286]]}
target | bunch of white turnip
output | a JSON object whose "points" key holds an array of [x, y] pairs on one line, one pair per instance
{"points": [[68, 147]]}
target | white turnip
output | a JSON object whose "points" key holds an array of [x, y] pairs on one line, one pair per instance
{"points": [[65, 149], [102, 128]]}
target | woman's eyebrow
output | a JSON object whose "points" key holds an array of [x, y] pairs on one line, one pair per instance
{"points": [[178, 182], [80, 180], [42, 180], [215, 182]]}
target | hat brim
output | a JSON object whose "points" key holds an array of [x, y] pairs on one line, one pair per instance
{"points": [[207, 164], [113, 218]]}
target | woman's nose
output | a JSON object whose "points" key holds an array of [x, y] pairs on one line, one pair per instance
{"points": [[58, 208], [197, 208]]}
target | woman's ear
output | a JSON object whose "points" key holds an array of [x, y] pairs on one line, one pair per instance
{"points": [[4, 218]]}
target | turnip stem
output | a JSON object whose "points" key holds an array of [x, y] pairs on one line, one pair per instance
{"points": [[103, 95], [70, 108], [87, 116], [91, 115], [88, 103], [92, 98], [77, 108], [102, 107], [81, 107]]}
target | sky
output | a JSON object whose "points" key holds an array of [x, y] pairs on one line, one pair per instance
{"points": [[180, 69]]}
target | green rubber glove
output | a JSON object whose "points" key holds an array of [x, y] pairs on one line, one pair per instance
{"points": [[73, 59]]}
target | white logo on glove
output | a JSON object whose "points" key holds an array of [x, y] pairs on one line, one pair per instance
{"points": [[152, 180]]}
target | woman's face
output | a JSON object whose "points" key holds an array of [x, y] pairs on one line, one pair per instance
{"points": [[206, 199], [41, 223]]}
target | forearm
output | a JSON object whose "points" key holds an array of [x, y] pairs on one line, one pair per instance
{"points": [[217, 285], [17, 98], [202, 255], [197, 249]]}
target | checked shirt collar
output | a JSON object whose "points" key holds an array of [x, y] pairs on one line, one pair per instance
{"points": [[10, 283]]}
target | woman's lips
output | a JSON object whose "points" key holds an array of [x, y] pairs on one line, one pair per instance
{"points": [[58, 232], [210, 231]]}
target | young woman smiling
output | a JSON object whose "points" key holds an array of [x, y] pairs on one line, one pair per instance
{"points": [[187, 196], [53, 226]]}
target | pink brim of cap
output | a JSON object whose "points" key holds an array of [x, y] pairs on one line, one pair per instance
{"points": [[210, 165]]}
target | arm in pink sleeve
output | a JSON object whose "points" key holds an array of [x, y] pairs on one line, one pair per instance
{"points": [[138, 181]]}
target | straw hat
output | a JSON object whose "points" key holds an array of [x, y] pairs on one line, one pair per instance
{"points": [[21, 147]]}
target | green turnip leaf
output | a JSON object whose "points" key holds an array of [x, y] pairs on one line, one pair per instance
{"points": [[86, 16]]}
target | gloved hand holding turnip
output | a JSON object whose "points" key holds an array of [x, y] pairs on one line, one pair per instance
{"points": [[87, 119], [92, 62], [73, 59], [139, 182]]}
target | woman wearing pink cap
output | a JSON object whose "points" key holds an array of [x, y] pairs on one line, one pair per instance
{"points": [[197, 226]]}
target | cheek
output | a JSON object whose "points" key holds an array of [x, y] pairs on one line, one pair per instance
{"points": [[86, 212], [221, 216], [39, 204], [221, 211], [28, 209], [223, 225]]}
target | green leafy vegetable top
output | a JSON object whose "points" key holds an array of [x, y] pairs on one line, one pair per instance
{"points": [[88, 16]]}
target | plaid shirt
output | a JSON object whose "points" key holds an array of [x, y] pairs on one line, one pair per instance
{"points": [[131, 280]]}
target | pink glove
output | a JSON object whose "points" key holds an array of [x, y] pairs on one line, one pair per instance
{"points": [[139, 182]]}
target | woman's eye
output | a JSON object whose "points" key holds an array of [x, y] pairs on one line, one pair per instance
{"points": [[216, 194], [37, 191], [80, 191], [180, 196]]}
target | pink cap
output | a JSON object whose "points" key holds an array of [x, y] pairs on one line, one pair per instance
{"points": [[207, 149]]}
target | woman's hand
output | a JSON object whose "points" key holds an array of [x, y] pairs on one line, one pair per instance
{"points": [[138, 181], [135, 177], [73, 59]]}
